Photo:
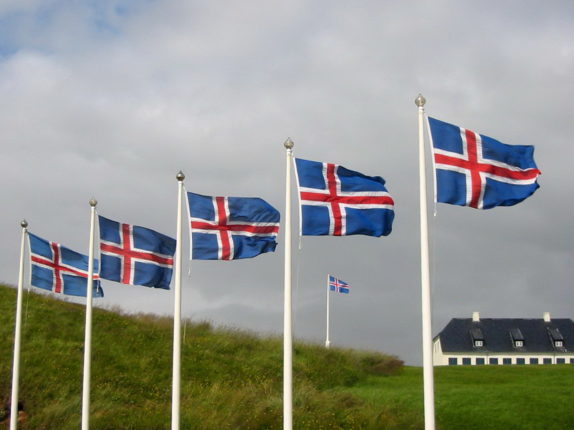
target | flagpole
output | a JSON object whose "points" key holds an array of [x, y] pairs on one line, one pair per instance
{"points": [[18, 333], [287, 309], [176, 382], [428, 375], [88, 328], [327, 340]]}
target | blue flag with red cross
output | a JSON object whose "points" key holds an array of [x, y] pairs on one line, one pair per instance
{"points": [[478, 171], [231, 228], [60, 270], [337, 201], [135, 255], [338, 285]]}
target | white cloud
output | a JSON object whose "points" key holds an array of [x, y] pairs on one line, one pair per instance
{"points": [[111, 100]]}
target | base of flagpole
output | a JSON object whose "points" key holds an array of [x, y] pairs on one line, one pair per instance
{"points": [[327, 343]]}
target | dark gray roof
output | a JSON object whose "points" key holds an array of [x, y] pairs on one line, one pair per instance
{"points": [[516, 334], [499, 334], [476, 333]]}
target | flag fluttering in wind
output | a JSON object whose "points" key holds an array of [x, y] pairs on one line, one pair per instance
{"points": [[135, 255], [338, 285], [478, 171], [230, 228], [337, 201], [59, 269]]}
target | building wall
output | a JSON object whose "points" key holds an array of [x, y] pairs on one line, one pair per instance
{"points": [[441, 359]]}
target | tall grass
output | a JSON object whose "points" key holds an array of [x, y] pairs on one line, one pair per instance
{"points": [[231, 379]]}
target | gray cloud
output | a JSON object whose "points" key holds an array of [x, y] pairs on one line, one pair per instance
{"points": [[111, 101]]}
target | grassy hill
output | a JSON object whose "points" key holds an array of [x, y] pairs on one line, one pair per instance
{"points": [[233, 380], [230, 379]]}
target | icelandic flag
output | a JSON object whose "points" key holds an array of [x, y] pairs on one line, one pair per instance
{"points": [[337, 201], [230, 228], [478, 171], [338, 285], [135, 255], [60, 270]]}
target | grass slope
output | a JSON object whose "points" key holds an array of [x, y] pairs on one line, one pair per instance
{"points": [[233, 380], [230, 379]]}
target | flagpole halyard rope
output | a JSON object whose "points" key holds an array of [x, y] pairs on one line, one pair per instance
{"points": [[298, 263], [27, 302]]}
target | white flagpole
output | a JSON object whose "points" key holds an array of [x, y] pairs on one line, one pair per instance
{"points": [[18, 333], [176, 383], [428, 375], [287, 309], [327, 340], [88, 328]]}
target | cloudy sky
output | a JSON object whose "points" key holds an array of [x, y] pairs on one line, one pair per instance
{"points": [[110, 98]]}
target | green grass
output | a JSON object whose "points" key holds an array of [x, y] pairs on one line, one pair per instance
{"points": [[232, 379], [484, 397]]}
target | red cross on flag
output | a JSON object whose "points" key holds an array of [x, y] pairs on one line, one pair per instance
{"points": [[478, 171]]}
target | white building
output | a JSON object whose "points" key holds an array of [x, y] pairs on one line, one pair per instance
{"points": [[499, 341]]}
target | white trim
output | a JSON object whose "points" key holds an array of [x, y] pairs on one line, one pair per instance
{"points": [[442, 359], [431, 143]]}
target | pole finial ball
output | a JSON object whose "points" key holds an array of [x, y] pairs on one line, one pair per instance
{"points": [[93, 202], [24, 223], [420, 100], [288, 144], [180, 176]]}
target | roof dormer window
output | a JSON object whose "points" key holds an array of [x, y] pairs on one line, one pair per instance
{"points": [[477, 337], [517, 338], [556, 337]]}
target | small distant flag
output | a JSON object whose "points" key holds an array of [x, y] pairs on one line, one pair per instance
{"points": [[230, 228], [135, 255], [336, 201], [59, 269], [478, 171], [338, 285]]}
